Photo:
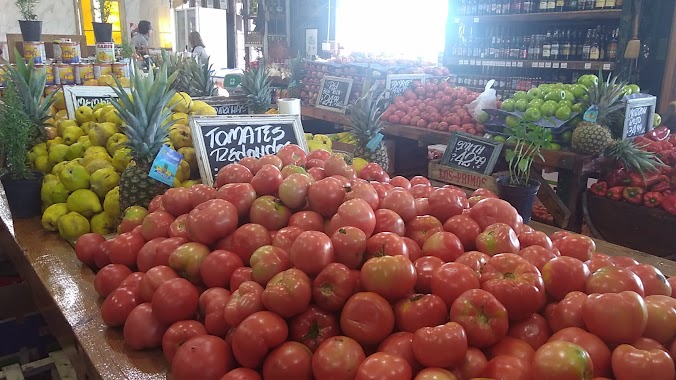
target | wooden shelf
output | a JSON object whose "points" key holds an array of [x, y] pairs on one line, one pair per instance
{"points": [[540, 17], [532, 64]]}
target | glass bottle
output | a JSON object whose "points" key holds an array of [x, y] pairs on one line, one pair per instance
{"points": [[560, 5], [603, 37], [551, 5], [600, 4], [590, 4], [580, 5], [537, 52], [543, 6], [547, 46], [571, 5], [555, 46], [595, 48], [586, 47], [619, 3], [566, 46], [611, 50], [524, 49], [517, 6], [527, 6], [463, 8]]}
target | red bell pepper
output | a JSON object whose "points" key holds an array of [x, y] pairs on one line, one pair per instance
{"points": [[641, 141], [663, 184], [672, 139], [599, 188], [652, 199], [666, 156], [615, 193], [633, 194], [659, 133], [617, 177], [669, 204], [653, 147]]}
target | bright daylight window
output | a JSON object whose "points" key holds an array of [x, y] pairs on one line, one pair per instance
{"points": [[397, 28], [90, 13]]}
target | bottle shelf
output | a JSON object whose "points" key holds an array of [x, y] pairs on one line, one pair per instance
{"points": [[544, 16], [533, 64]]}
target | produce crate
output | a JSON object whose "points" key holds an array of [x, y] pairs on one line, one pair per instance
{"points": [[459, 177]]}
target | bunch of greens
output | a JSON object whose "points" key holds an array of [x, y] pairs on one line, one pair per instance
{"points": [[529, 139], [27, 9]]}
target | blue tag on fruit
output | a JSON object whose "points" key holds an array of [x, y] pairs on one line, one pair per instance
{"points": [[373, 144], [592, 114], [165, 165]]}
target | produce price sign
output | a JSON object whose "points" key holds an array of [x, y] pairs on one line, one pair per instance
{"points": [[639, 115], [78, 96], [334, 93], [396, 84], [227, 106], [222, 140], [471, 153]]}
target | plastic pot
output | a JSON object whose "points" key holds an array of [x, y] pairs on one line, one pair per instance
{"points": [[31, 31], [23, 195], [103, 31], [522, 198]]}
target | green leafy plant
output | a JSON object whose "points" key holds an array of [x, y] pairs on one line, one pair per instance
{"points": [[126, 50], [529, 139], [17, 135], [104, 7], [27, 9]]}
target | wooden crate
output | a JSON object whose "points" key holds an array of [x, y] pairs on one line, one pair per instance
{"points": [[57, 364]]}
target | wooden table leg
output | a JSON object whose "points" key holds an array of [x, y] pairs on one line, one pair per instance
{"points": [[570, 187]]}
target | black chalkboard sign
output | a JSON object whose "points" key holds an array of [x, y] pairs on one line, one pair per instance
{"points": [[396, 84], [639, 115], [222, 140], [227, 105], [471, 153], [78, 96], [334, 93]]}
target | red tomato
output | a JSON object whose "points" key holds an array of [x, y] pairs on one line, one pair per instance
{"points": [[212, 220], [445, 203], [451, 280], [292, 154], [175, 300], [473, 259], [202, 357], [146, 256], [217, 268], [414, 250], [654, 282], [444, 245], [156, 224], [349, 244], [311, 252], [109, 278], [597, 263], [537, 255], [648, 344], [482, 316], [631, 363], [239, 276], [382, 365], [153, 279], [86, 247], [288, 293], [577, 246], [385, 244], [481, 192], [512, 347], [133, 282], [142, 329], [563, 275], [465, 228], [307, 221], [233, 173], [337, 359], [178, 334], [266, 262], [267, 179], [527, 239], [420, 180], [401, 344], [313, 326], [560, 360], [430, 345], [250, 163], [614, 280], [285, 237], [400, 182], [242, 374], [102, 255], [201, 193], [325, 196], [124, 248], [365, 191], [508, 368], [532, 330], [421, 191], [421, 228], [187, 260], [211, 295], [497, 238], [425, 267], [241, 195], [598, 351], [248, 238], [245, 301], [337, 164], [165, 248], [117, 306], [392, 277], [627, 310], [291, 360], [333, 287], [178, 201], [661, 324], [516, 283], [367, 318], [623, 261], [491, 210], [567, 313], [472, 366], [269, 212], [389, 221], [400, 201], [420, 310], [355, 213], [256, 336]]}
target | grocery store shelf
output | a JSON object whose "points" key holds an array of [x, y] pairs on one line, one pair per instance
{"points": [[548, 16], [565, 65]]}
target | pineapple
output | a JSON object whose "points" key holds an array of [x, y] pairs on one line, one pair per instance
{"points": [[147, 117], [201, 83], [365, 116], [257, 86], [297, 68], [593, 138], [632, 158]]}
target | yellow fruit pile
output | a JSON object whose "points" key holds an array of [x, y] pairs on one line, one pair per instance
{"points": [[316, 142]]}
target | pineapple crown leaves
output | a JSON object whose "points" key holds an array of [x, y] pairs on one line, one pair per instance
{"points": [[632, 157], [368, 110], [607, 95], [146, 112], [30, 86], [202, 84], [297, 69], [257, 85]]}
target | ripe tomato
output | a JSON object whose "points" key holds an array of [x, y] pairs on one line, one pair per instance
{"points": [[86, 247], [325, 196], [597, 263], [497, 238], [472, 366], [355, 213], [349, 245], [333, 286], [623, 261], [627, 310], [241, 195], [516, 283], [153, 279], [201, 193], [537, 255], [648, 344], [291, 360], [382, 365], [146, 256], [430, 345], [577, 246], [311, 252], [248, 238], [117, 306], [285, 237], [563, 275], [313, 326], [661, 324], [385, 244], [217, 268], [109, 278], [267, 179], [392, 277], [389, 221], [400, 182], [512, 347], [102, 255], [239, 276], [212, 220], [421, 191], [178, 334], [532, 330], [400, 201], [614, 280], [233, 173], [654, 282], [444, 245], [560, 360], [211, 295], [425, 267], [202, 357], [422, 227], [187, 260], [175, 300], [401, 344], [307, 221], [420, 180], [156, 224], [598, 351], [474, 259], [165, 248], [505, 367], [256, 336], [245, 301], [365, 191], [539, 238], [292, 155], [337, 164], [242, 374], [250, 163], [465, 228], [451, 280], [142, 329], [367, 318], [133, 282], [631, 363], [445, 203], [337, 359], [492, 210], [269, 212], [266, 262], [177, 201], [288, 293], [124, 248], [567, 313], [420, 310], [482, 316]]}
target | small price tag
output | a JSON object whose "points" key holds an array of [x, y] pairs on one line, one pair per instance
{"points": [[519, 64], [476, 19], [483, 63], [165, 165], [606, 66], [564, 65], [472, 62], [374, 142], [541, 64], [534, 64], [555, 65], [587, 65], [548, 65], [514, 63], [592, 114]]}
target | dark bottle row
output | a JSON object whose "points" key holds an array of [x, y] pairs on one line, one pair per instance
{"points": [[505, 7]]}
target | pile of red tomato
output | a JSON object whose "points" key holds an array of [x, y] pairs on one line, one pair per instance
{"points": [[281, 274]]}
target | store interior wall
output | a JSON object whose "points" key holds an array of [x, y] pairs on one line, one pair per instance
{"points": [[157, 12]]}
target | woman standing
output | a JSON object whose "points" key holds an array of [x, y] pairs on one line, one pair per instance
{"points": [[197, 46], [140, 40]]}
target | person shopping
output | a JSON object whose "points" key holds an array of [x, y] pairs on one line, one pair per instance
{"points": [[198, 49]]}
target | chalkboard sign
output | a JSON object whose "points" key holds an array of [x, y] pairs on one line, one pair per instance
{"points": [[77, 96], [396, 84], [334, 93], [471, 153], [639, 115], [222, 140], [227, 105]]}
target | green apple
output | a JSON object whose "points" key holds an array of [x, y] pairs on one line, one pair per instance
{"points": [[563, 113], [521, 105], [532, 115], [508, 105]]}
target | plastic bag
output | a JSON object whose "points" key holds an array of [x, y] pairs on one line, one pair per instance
{"points": [[487, 100]]}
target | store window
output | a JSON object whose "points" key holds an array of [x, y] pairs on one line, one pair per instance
{"points": [[398, 28], [90, 13]]}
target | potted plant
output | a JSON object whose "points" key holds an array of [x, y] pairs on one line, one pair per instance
{"points": [[31, 29], [518, 188], [103, 31], [17, 135]]}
